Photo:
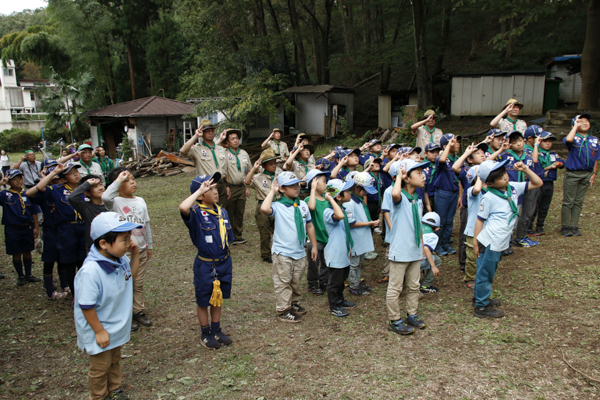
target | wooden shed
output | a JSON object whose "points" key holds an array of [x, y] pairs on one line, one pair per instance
{"points": [[320, 107], [485, 94], [390, 104]]}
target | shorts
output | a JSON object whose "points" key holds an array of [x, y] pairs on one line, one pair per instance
{"points": [[71, 243], [50, 235], [21, 239], [203, 279]]}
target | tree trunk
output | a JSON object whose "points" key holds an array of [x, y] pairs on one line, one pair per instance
{"points": [[325, 41], [348, 30], [439, 62], [280, 40], [298, 43], [423, 92], [590, 59], [111, 79], [366, 14], [131, 74], [511, 41]]}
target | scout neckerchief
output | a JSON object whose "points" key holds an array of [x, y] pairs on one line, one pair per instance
{"points": [[415, 212], [305, 164], [522, 157], [453, 159], [212, 150], [360, 200], [20, 194], [70, 189], [430, 132], [349, 240], [512, 121], [271, 175], [277, 143], [237, 159], [507, 196], [85, 166], [297, 217], [222, 227], [433, 168], [104, 163], [427, 229], [544, 157], [528, 147], [587, 148], [378, 180]]}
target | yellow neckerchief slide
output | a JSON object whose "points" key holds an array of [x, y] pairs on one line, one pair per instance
{"points": [[20, 194]]}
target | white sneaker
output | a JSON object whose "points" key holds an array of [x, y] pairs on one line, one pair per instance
{"points": [[371, 255], [58, 296], [377, 231]]}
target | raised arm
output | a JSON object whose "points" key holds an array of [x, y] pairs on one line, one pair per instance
{"points": [[252, 172], [498, 117], [536, 153], [505, 146], [569, 139], [188, 203], [265, 144], [457, 166], [288, 163], [338, 167], [397, 190], [444, 155], [185, 149], [44, 182], [338, 214], [534, 180]]}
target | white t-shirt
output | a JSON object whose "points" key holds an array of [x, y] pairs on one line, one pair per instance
{"points": [[5, 161], [136, 211]]}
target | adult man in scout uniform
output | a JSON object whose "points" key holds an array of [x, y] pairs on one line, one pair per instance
{"points": [[508, 119], [279, 146], [88, 167], [208, 156], [238, 164], [426, 132]]}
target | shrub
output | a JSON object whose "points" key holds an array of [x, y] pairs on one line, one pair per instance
{"points": [[16, 140]]}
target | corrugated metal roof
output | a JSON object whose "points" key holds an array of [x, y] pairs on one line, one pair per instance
{"points": [[154, 106], [499, 73], [317, 89]]}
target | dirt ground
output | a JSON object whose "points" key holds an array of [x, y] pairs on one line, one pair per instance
{"points": [[550, 294]]}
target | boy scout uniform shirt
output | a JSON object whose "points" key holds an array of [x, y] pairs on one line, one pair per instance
{"points": [[429, 188], [236, 176], [336, 252], [262, 184], [300, 169], [59, 195], [403, 246], [285, 238], [281, 150], [204, 232], [14, 212], [362, 236], [496, 214], [537, 166], [424, 137], [506, 126], [584, 151], [552, 174], [445, 178], [92, 169], [513, 174], [202, 156]]}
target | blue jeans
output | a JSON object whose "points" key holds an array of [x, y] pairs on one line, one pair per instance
{"points": [[487, 263], [428, 280], [445, 206]]}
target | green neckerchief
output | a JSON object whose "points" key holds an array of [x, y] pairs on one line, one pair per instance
{"points": [[514, 122], [453, 159], [528, 147], [416, 217], [433, 168], [349, 240], [297, 217], [277, 143], [358, 199], [378, 180], [521, 175], [430, 132], [544, 157], [105, 163], [84, 165], [237, 159], [427, 229], [271, 175], [375, 155], [507, 196], [212, 150], [305, 164], [587, 148]]}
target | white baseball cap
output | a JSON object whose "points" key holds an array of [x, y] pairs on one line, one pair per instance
{"points": [[366, 181], [110, 222]]}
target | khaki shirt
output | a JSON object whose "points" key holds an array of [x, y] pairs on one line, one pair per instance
{"points": [[204, 162], [506, 126], [262, 184], [300, 170], [234, 176], [424, 137], [282, 151]]}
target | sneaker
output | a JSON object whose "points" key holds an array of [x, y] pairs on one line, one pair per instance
{"points": [[289, 316], [371, 255], [462, 268], [268, 260], [440, 251], [116, 395], [239, 241], [57, 296], [298, 309], [400, 327], [449, 250], [208, 340], [141, 319], [492, 302], [526, 242], [539, 231], [134, 325], [358, 291], [429, 289], [339, 311], [323, 288], [384, 279], [317, 291], [348, 304], [21, 281], [415, 321], [470, 285], [566, 231], [222, 338], [377, 231], [532, 232], [31, 278], [487, 312], [364, 286], [507, 252], [576, 231]]}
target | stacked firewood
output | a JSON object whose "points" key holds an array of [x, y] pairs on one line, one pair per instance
{"points": [[164, 164]]}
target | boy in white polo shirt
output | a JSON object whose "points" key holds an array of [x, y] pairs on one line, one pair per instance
{"points": [[103, 301]]}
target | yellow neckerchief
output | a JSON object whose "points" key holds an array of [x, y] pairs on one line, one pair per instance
{"points": [[20, 194], [219, 215], [70, 189]]}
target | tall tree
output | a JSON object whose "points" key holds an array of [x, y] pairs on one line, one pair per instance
{"points": [[590, 59], [422, 74]]}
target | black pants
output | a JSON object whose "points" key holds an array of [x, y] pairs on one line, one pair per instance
{"points": [[528, 209], [544, 201], [335, 286], [462, 238], [317, 273], [373, 211], [432, 202]]}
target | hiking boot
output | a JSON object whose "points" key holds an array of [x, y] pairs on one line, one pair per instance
{"points": [[487, 312], [239, 241], [57, 296], [449, 250], [526, 242], [141, 319], [470, 285], [21, 281], [359, 291], [575, 230], [339, 311], [208, 340], [492, 302], [116, 395], [400, 327], [348, 304], [268, 260], [429, 289], [31, 278], [566, 231], [414, 320], [134, 326], [315, 290], [221, 337], [289, 316], [298, 309], [440, 251]]}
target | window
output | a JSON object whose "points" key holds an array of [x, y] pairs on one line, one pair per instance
{"points": [[32, 96], [8, 72]]}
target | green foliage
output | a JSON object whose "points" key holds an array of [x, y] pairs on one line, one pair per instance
{"points": [[345, 128], [17, 140], [20, 21], [126, 148]]}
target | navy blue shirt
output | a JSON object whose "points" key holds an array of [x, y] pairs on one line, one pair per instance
{"points": [[204, 232], [59, 196], [362, 159], [429, 188], [375, 198], [445, 178], [552, 174], [48, 208], [15, 211], [584, 151], [513, 174]]}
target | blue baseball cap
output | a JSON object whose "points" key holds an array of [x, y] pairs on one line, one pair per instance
{"points": [[48, 162], [584, 115], [409, 150], [110, 222], [365, 180], [374, 141], [447, 138], [395, 167], [287, 178], [547, 135], [313, 173], [533, 131], [393, 146], [13, 173], [326, 164], [486, 167], [200, 179], [52, 168], [432, 146], [432, 219], [347, 152], [482, 146], [496, 132], [511, 134], [337, 186], [69, 167], [409, 165], [472, 174]]}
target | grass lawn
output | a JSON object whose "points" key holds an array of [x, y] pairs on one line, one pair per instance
{"points": [[550, 294]]}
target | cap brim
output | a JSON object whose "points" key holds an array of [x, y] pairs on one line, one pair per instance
{"points": [[459, 137], [292, 182], [423, 164], [483, 146], [127, 227], [268, 159], [357, 151], [585, 115], [514, 133], [500, 164], [348, 184], [370, 189], [418, 150], [326, 173], [216, 177]]}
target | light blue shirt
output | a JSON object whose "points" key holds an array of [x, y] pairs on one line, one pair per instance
{"points": [[386, 206], [362, 236], [336, 254], [285, 237], [496, 213], [403, 246], [109, 290], [430, 240], [472, 210]]}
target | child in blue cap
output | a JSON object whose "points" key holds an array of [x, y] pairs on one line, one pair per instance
{"points": [[210, 231], [20, 220]]}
